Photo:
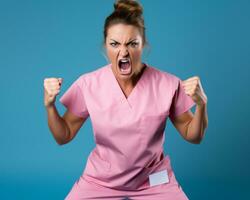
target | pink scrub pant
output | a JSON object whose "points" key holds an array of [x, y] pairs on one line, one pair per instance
{"points": [[84, 189]]}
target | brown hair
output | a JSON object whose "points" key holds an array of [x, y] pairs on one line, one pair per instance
{"points": [[128, 12]]}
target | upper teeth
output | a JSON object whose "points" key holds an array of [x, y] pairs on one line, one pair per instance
{"points": [[124, 60]]}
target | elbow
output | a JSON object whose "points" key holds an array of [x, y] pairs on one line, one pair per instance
{"points": [[64, 140], [61, 142], [196, 140]]}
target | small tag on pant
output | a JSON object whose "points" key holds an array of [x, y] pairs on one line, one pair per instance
{"points": [[158, 178]]}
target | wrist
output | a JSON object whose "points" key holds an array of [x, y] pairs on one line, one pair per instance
{"points": [[49, 106]]}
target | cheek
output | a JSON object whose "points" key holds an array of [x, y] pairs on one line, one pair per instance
{"points": [[137, 54], [112, 54]]}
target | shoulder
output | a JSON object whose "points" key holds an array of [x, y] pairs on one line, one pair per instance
{"points": [[91, 77], [165, 77]]}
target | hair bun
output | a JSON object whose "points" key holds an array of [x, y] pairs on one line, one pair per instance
{"points": [[130, 6]]}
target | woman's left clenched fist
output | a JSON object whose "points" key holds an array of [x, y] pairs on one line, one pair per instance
{"points": [[193, 88]]}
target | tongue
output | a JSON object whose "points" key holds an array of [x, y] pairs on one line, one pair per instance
{"points": [[124, 66]]}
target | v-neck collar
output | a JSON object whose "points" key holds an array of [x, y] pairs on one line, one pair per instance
{"points": [[117, 87]]}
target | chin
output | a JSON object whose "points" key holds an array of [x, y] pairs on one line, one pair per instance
{"points": [[123, 76]]}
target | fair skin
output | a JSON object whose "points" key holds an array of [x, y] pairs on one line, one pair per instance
{"points": [[125, 41], [64, 128], [192, 127]]}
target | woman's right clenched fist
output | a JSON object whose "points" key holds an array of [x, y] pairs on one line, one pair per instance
{"points": [[52, 88]]}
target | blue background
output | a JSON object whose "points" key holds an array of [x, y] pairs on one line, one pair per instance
{"points": [[49, 38]]}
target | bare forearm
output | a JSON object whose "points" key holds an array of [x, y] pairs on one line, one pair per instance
{"points": [[57, 125], [199, 123]]}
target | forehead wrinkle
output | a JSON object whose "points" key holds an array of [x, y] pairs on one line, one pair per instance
{"points": [[129, 40]]}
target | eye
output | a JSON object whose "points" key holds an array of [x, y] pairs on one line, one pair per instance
{"points": [[114, 44], [134, 44]]}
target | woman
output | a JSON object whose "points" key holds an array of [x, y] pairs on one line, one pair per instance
{"points": [[128, 102]]}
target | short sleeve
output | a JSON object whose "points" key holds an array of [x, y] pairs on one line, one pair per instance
{"points": [[181, 102], [73, 99]]}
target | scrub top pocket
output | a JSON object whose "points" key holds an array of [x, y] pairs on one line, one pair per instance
{"points": [[152, 128]]}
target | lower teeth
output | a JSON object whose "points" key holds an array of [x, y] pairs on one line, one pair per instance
{"points": [[124, 69]]}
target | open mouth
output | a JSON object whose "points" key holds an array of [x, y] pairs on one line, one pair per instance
{"points": [[125, 66]]}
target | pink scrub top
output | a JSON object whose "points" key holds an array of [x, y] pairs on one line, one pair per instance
{"points": [[129, 132]]}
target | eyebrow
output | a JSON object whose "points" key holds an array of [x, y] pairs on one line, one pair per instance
{"points": [[127, 42]]}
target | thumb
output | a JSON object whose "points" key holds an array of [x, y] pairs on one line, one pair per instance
{"points": [[60, 80]]}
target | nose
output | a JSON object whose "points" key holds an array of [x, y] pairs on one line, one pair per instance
{"points": [[123, 51]]}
